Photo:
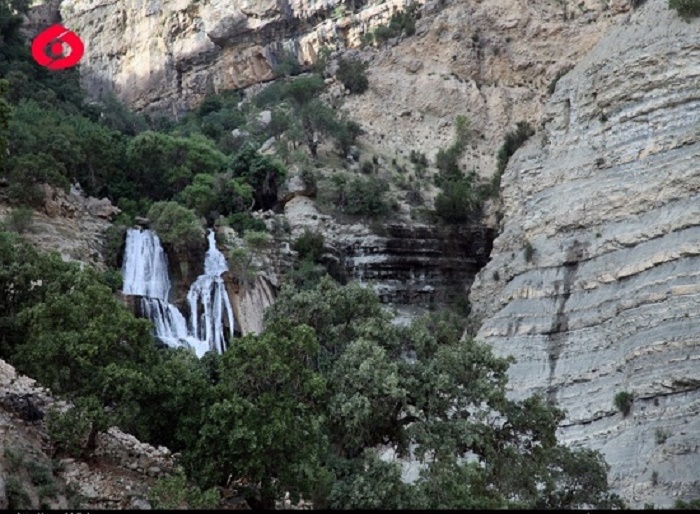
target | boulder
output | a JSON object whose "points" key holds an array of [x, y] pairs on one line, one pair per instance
{"points": [[102, 208], [295, 186]]}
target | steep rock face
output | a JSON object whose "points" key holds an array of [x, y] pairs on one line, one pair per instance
{"points": [[69, 223], [411, 267], [418, 264], [490, 60], [167, 55], [593, 281]]}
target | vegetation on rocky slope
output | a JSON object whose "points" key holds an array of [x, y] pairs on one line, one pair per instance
{"points": [[304, 407]]}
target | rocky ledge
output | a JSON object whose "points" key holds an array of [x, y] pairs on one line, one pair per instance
{"points": [[118, 475]]}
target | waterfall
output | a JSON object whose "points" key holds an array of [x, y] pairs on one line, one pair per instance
{"points": [[209, 292], [145, 273], [145, 266]]}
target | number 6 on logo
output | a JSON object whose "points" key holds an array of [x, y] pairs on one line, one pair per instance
{"points": [[47, 48]]}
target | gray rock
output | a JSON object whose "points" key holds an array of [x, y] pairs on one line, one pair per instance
{"points": [[140, 504], [264, 118], [609, 300], [240, 133], [354, 153], [267, 145]]}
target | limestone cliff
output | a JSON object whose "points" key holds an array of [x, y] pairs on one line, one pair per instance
{"points": [[490, 60], [166, 56], [593, 280], [69, 223]]}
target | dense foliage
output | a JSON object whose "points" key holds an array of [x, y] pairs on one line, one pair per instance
{"points": [[686, 8], [304, 406], [309, 405], [462, 194], [353, 74], [53, 136]]}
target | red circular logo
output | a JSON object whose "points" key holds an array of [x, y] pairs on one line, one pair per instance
{"points": [[49, 48]]}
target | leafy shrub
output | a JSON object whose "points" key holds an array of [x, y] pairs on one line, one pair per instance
{"points": [[359, 196], [447, 160], [353, 74], [306, 275], [685, 8], [243, 222], [17, 496], [262, 172], [402, 22], [39, 473], [690, 505], [529, 251], [175, 493], [661, 435], [287, 64], [458, 202], [175, 225], [623, 402], [553, 84], [367, 167], [113, 279], [114, 243], [20, 219], [513, 140], [309, 245], [73, 431], [420, 161], [243, 259], [14, 459]]}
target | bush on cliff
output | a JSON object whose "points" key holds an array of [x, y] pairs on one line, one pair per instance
{"points": [[175, 225], [686, 8], [353, 74]]}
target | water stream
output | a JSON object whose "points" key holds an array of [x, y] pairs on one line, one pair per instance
{"points": [[145, 273]]}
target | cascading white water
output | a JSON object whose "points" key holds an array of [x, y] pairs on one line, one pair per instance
{"points": [[145, 266], [209, 292], [145, 273]]}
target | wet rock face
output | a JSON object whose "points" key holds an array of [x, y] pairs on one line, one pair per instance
{"points": [[418, 264], [599, 254], [184, 266]]}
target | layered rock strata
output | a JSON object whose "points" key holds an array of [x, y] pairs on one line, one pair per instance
{"points": [[594, 281]]}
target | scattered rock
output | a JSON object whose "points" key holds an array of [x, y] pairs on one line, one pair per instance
{"points": [[264, 118], [267, 145], [240, 133], [140, 504]]}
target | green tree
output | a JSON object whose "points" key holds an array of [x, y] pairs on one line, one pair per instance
{"points": [[426, 392], [458, 202], [265, 426], [176, 225], [263, 173], [74, 335], [353, 74], [5, 116]]}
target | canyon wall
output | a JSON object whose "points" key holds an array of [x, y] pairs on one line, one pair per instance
{"points": [[594, 280], [165, 56]]}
